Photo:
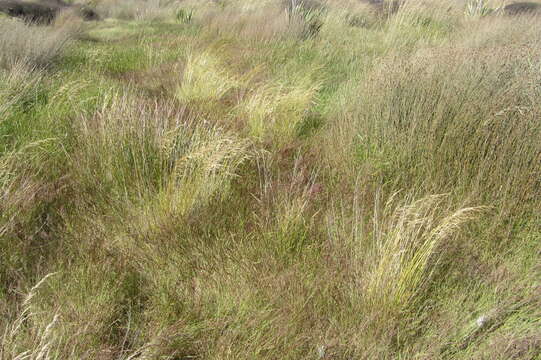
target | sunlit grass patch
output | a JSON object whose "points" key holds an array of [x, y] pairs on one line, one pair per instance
{"points": [[404, 253], [276, 112], [205, 79]]}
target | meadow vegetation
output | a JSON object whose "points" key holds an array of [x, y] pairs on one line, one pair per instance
{"points": [[243, 179]]}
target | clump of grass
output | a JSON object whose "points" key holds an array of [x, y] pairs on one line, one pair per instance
{"points": [[39, 342], [154, 164], [33, 334], [484, 114], [136, 156], [142, 10], [204, 171], [420, 23], [184, 15], [16, 84], [25, 197], [286, 209], [163, 169], [394, 258], [461, 113], [35, 46], [481, 8], [123, 139], [262, 21], [276, 112], [353, 13], [405, 246], [31, 165], [19, 188], [205, 79]]}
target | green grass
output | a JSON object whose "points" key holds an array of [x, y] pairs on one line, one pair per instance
{"points": [[226, 185]]}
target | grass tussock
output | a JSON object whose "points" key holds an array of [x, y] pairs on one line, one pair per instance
{"points": [[140, 10], [32, 45], [405, 252], [463, 117], [276, 113], [263, 180], [262, 21], [205, 79], [16, 84]]}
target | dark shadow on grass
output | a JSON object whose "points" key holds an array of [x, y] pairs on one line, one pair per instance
{"points": [[522, 8], [42, 12]]}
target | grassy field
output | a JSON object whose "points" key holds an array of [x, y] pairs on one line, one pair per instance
{"points": [[243, 179]]}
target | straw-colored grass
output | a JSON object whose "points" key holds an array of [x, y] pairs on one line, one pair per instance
{"points": [[140, 10], [35, 46]]}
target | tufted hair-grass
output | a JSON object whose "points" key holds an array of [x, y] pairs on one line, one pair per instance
{"points": [[32, 45]]}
